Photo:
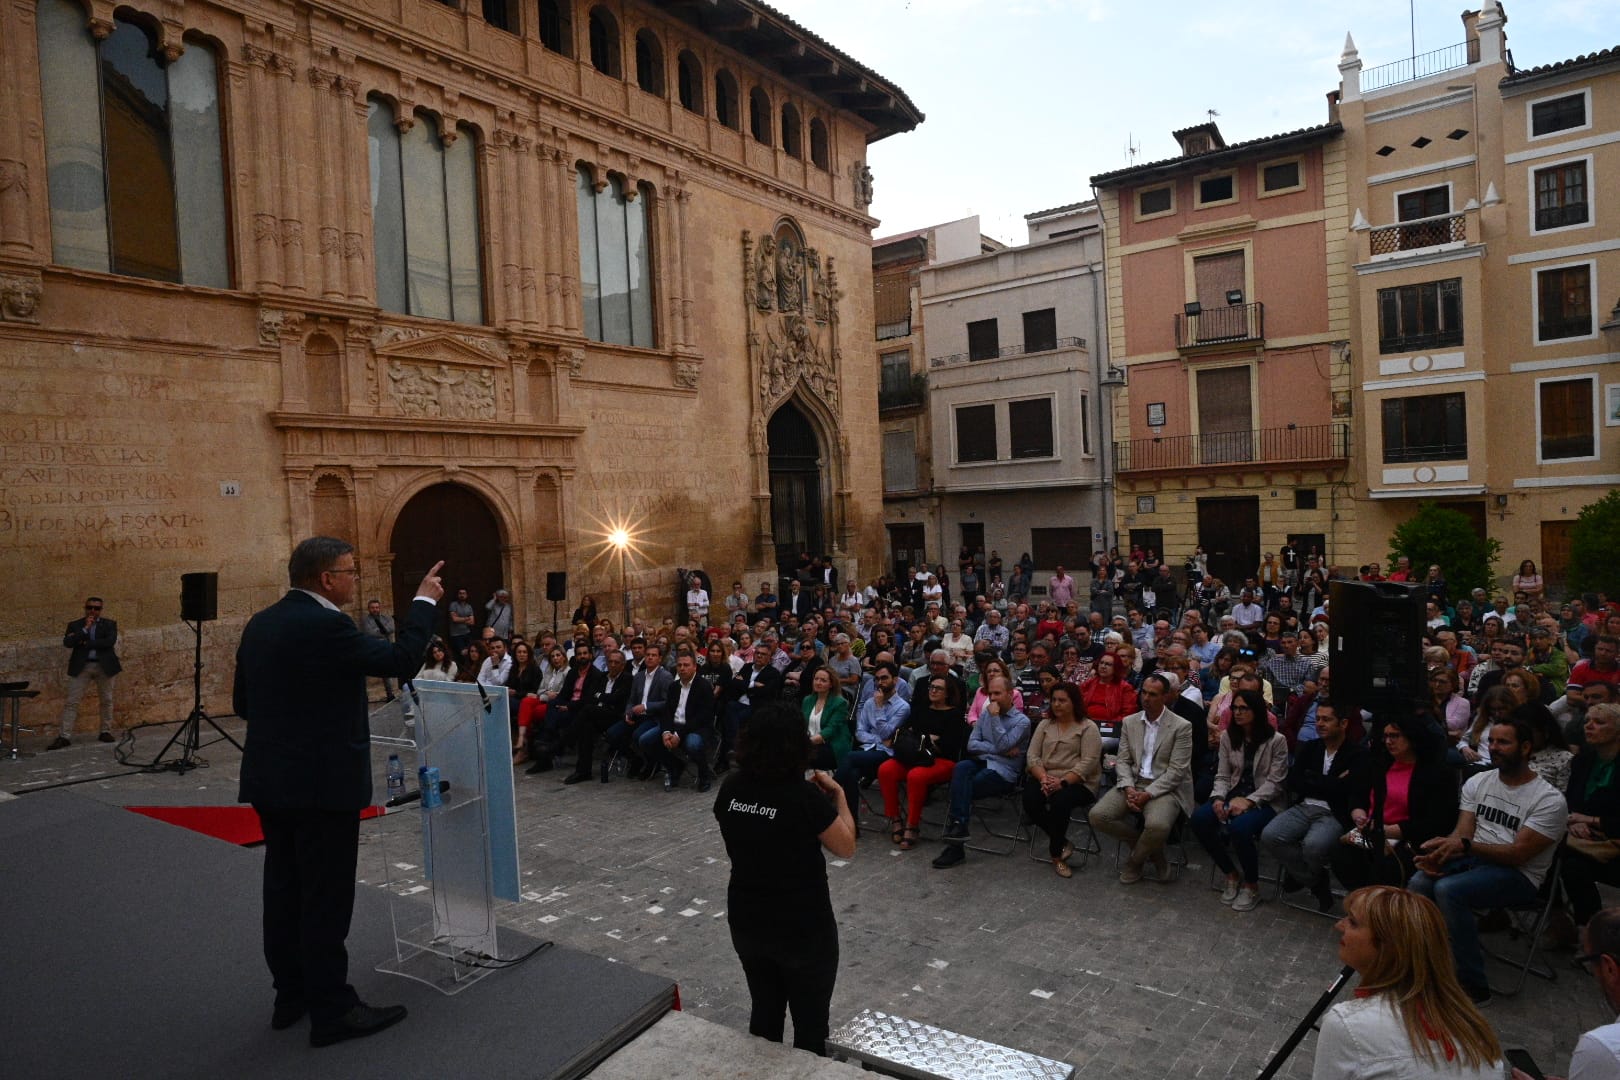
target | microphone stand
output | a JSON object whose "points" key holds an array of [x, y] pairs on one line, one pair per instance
{"points": [[1298, 1035]]}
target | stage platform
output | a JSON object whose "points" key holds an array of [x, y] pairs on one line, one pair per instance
{"points": [[131, 948]]}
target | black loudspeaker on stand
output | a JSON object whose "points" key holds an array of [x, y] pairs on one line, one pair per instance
{"points": [[199, 603], [1375, 648], [556, 592]]}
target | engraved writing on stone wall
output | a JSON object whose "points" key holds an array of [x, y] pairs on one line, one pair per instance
{"points": [[68, 487]]}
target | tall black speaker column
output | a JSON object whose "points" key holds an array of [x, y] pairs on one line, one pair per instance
{"points": [[1375, 644]]}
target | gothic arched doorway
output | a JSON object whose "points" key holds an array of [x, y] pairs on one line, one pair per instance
{"points": [[453, 523], [796, 505]]}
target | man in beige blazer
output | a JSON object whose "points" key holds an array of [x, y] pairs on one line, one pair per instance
{"points": [[1154, 783]]}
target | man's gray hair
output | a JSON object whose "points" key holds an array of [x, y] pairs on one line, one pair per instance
{"points": [[313, 557]]}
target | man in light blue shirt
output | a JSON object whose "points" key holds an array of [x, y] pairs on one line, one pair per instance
{"points": [[878, 718], [994, 761]]}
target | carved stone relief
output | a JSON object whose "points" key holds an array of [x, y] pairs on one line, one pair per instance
{"points": [[860, 177], [440, 392], [793, 319], [19, 298], [687, 373], [274, 322]]}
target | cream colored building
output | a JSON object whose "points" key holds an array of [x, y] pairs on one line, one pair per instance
{"points": [[1014, 362], [1486, 269], [464, 283]]}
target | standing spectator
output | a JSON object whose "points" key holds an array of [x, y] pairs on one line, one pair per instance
{"points": [[586, 612], [765, 603], [775, 823], [1018, 585], [498, 614], [380, 626], [1528, 580], [697, 601], [1060, 589], [737, 603], [462, 621], [93, 640]]}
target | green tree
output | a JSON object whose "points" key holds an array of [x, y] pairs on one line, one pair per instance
{"points": [[1435, 536], [1593, 543]]}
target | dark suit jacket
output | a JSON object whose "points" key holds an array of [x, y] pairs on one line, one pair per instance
{"points": [[661, 679], [1347, 786], [767, 688], [106, 639], [614, 699], [699, 707], [798, 605], [301, 686]]}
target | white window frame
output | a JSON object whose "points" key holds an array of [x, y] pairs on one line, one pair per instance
{"points": [[1395, 201], [1530, 113], [1136, 203], [1260, 177], [1057, 430], [1535, 302], [1591, 201], [1597, 420], [1198, 184]]}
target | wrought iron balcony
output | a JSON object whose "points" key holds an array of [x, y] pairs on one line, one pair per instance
{"points": [[902, 391], [1422, 233], [1266, 446], [1421, 66], [1234, 323], [1008, 350]]}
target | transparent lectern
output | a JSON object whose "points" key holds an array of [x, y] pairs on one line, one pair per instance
{"points": [[467, 859]]}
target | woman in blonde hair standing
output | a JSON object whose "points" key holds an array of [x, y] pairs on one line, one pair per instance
{"points": [[1410, 1017]]}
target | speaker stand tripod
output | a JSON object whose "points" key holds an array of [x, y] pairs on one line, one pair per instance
{"points": [[190, 734]]}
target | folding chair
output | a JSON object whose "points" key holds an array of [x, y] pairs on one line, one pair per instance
{"points": [[1092, 846], [1540, 912]]}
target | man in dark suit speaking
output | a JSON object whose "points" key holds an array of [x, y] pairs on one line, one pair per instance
{"points": [[306, 767]]}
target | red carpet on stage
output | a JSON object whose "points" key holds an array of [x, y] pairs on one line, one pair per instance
{"points": [[232, 824]]}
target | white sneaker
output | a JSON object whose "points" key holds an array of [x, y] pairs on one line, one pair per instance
{"points": [[1230, 893], [1247, 900]]}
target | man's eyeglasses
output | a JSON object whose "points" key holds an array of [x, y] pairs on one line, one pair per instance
{"points": [[92, 607]]}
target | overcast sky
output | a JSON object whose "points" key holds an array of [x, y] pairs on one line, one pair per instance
{"points": [[1026, 99]]}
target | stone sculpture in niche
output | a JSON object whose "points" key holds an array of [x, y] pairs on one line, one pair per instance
{"points": [[861, 181], [793, 318]]}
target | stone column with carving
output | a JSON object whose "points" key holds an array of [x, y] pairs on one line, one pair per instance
{"points": [[18, 68], [355, 149], [551, 254], [573, 318], [529, 245], [682, 198], [328, 126], [501, 166], [261, 104], [520, 356], [287, 149]]}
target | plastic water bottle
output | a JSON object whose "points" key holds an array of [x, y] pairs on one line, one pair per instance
{"points": [[396, 777]]}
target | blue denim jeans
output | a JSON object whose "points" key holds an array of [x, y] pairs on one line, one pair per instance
{"points": [[1464, 885], [693, 744], [974, 779], [857, 765], [1240, 834]]}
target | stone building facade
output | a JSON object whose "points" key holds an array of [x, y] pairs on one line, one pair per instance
{"points": [[468, 284]]}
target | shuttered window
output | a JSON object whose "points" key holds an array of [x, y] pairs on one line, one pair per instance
{"points": [[900, 460], [1567, 427]]}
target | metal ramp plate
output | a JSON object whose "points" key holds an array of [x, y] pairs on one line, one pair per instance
{"points": [[904, 1047]]}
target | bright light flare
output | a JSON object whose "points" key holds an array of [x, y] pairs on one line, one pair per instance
{"points": [[619, 538]]}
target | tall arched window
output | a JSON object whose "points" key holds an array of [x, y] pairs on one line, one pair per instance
{"points": [[759, 115], [725, 99], [689, 81], [615, 262], [605, 52], [424, 210], [557, 26], [792, 143], [649, 62], [134, 162], [818, 144]]}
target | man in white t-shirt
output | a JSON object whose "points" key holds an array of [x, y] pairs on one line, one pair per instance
{"points": [[1507, 833]]}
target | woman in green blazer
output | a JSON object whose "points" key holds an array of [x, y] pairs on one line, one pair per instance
{"points": [[826, 711]]}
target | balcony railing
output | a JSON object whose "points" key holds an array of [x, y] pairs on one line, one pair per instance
{"points": [[1008, 350], [1221, 325], [901, 393], [1283, 445], [1422, 233], [1422, 342], [1421, 66]]}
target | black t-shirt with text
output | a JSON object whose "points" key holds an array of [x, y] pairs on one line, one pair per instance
{"points": [[778, 874]]}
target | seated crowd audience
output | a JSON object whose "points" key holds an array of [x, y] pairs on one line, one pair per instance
{"points": [[1149, 707]]}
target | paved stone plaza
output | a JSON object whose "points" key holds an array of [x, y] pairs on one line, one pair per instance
{"points": [[1141, 981]]}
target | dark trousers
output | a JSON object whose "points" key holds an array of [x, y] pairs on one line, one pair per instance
{"points": [[1581, 874], [793, 976], [858, 765], [594, 722], [1051, 812], [309, 870]]}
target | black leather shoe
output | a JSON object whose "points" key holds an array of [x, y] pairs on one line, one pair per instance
{"points": [[575, 778], [540, 766], [287, 1013], [57, 743], [357, 1023], [604, 772], [952, 855], [107, 736], [704, 785]]}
